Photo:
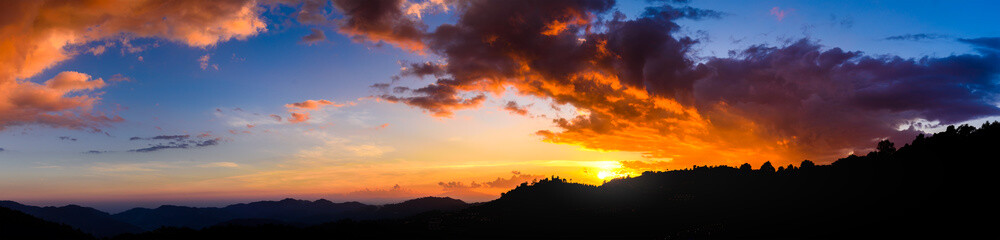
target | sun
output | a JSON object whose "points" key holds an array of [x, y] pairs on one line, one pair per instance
{"points": [[605, 175]]}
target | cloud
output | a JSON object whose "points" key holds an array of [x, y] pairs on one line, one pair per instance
{"points": [[312, 11], [300, 110], [514, 108], [314, 36], [175, 142], [502, 183], [163, 137], [339, 148], [423, 69], [204, 64], [219, 165], [990, 45], [298, 117], [179, 145], [395, 192], [637, 88], [643, 166], [780, 14], [1, 149], [64, 101], [916, 37], [37, 35], [417, 8], [275, 117], [312, 104], [381, 22], [440, 100]]}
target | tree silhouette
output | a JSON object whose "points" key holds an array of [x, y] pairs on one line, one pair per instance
{"points": [[885, 146], [806, 164], [767, 167], [746, 167]]}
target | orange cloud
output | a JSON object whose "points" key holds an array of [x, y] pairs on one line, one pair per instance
{"points": [[62, 101], [36, 35], [312, 104], [298, 117], [300, 110]]}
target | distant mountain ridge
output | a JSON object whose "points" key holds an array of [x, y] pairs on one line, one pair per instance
{"points": [[287, 211], [88, 220]]}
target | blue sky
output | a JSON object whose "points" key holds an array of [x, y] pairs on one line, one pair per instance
{"points": [[170, 93]]}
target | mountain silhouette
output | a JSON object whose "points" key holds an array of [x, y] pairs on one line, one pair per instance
{"points": [[88, 220], [289, 211], [18, 225], [175, 216], [934, 187]]}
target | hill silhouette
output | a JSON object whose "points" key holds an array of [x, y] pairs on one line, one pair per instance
{"points": [[88, 220], [18, 225], [288, 211], [291, 212], [934, 187]]}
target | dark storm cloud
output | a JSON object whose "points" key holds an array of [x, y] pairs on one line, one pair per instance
{"points": [[380, 21], [440, 100], [423, 69], [641, 91], [833, 98], [986, 44]]}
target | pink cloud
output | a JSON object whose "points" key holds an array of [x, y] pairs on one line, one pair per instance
{"points": [[780, 14]]}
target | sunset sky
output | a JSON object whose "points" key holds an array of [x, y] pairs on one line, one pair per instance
{"points": [[120, 104]]}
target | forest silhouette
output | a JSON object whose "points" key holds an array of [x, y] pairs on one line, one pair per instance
{"points": [[937, 186]]}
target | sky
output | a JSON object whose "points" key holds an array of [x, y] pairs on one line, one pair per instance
{"points": [[120, 104]]}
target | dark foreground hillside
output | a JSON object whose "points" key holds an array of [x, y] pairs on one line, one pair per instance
{"points": [[936, 187], [18, 225]]}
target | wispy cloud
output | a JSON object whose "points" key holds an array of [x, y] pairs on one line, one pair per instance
{"points": [[916, 37], [175, 142]]}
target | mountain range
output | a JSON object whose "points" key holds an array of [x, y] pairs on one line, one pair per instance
{"points": [[288, 211]]}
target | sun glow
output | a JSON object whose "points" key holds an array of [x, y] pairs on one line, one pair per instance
{"points": [[607, 170], [605, 175]]}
